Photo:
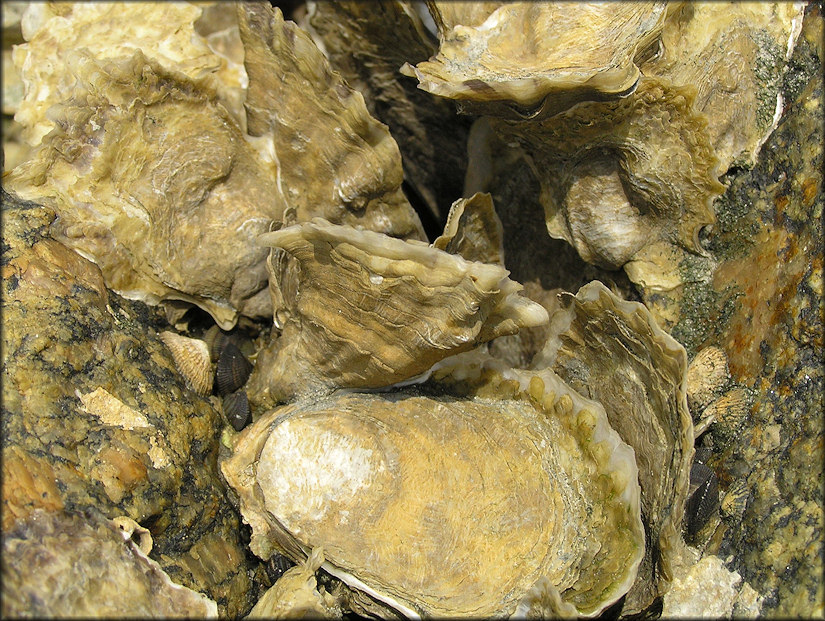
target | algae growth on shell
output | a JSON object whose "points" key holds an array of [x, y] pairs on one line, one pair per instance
{"points": [[379, 390]]}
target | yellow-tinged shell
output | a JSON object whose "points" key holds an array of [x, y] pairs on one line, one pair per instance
{"points": [[707, 374], [538, 53], [734, 55], [336, 161], [450, 504], [295, 595], [153, 180], [728, 412], [612, 351], [192, 360], [617, 177], [368, 311], [473, 230]]}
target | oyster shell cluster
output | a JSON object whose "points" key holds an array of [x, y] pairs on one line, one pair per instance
{"points": [[234, 169]]}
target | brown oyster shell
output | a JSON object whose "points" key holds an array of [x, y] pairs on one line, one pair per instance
{"points": [[154, 182], [192, 360], [473, 230], [618, 177], [734, 54], [366, 42], [612, 351], [295, 595], [366, 310], [334, 160], [516, 498], [111, 30], [538, 53]]}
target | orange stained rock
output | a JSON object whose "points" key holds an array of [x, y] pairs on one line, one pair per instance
{"points": [[29, 483], [768, 285]]}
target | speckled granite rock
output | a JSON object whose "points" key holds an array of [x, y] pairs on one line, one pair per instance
{"points": [[759, 296], [94, 414]]}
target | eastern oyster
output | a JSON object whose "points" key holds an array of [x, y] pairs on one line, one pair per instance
{"points": [[359, 309], [516, 496], [534, 55], [612, 351]]}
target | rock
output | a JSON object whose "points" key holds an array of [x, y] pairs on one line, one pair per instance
{"points": [[95, 414]]}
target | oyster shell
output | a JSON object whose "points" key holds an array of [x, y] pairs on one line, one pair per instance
{"points": [[366, 310], [734, 54], [367, 43], [154, 182], [334, 160], [439, 505], [612, 351], [295, 595], [473, 230], [108, 31], [532, 53], [83, 565], [618, 177]]}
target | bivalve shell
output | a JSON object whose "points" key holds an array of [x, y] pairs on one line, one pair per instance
{"points": [[449, 506], [192, 360], [236, 410], [232, 370]]}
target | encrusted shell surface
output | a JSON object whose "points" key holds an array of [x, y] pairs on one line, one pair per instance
{"points": [[734, 55], [192, 360], [59, 564], [612, 351], [367, 311], [334, 160], [617, 177], [111, 30], [435, 505], [473, 230], [538, 53], [146, 158], [154, 181], [629, 182]]}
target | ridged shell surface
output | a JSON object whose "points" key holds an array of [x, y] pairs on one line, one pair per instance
{"points": [[612, 351], [368, 311], [192, 360], [444, 506]]}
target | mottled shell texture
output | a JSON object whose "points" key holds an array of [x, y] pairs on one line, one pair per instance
{"points": [[441, 506], [366, 310]]}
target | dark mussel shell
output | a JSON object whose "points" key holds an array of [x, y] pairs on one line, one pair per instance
{"points": [[217, 340], [232, 371], [236, 410], [703, 498]]}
